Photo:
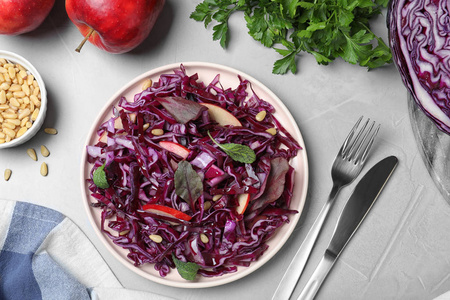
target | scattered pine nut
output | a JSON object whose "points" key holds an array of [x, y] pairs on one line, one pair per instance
{"points": [[216, 197], [204, 238], [50, 131], [207, 205], [44, 169], [7, 174], [157, 132], [44, 151], [261, 115], [156, 238], [147, 83], [31, 153], [272, 131], [145, 126]]}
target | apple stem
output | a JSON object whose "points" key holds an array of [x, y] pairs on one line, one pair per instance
{"points": [[84, 40]]}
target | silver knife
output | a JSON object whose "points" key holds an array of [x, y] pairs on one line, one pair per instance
{"points": [[354, 212]]}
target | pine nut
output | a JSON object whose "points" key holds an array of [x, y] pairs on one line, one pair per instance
{"points": [[24, 121], [204, 238], [26, 89], [2, 97], [30, 79], [206, 205], [23, 74], [28, 125], [14, 102], [44, 169], [2, 141], [31, 153], [15, 88], [145, 126], [35, 100], [24, 114], [21, 131], [5, 86], [261, 115], [35, 114], [7, 174], [16, 122], [272, 131], [19, 94], [157, 132], [9, 132], [9, 115], [50, 131], [44, 151], [4, 106], [3, 70], [9, 126], [147, 83], [216, 197], [156, 238], [2, 135]]}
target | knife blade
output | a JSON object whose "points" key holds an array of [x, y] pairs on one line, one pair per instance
{"points": [[354, 212]]}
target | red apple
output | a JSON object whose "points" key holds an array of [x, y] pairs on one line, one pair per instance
{"points": [[175, 148], [21, 16], [243, 200], [222, 116], [116, 26], [166, 211]]}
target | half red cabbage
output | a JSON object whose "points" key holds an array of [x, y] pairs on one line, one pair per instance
{"points": [[140, 172], [419, 36]]}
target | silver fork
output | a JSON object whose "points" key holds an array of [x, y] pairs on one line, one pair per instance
{"points": [[346, 167]]}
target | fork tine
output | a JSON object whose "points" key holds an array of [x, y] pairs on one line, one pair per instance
{"points": [[369, 144], [359, 144], [355, 144], [343, 149]]}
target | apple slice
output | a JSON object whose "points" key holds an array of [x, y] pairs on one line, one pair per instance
{"points": [[166, 211], [243, 200], [175, 148], [222, 116]]}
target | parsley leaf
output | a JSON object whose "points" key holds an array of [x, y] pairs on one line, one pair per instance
{"points": [[327, 29]]}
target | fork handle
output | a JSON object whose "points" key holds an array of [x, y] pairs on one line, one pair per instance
{"points": [[295, 269]]}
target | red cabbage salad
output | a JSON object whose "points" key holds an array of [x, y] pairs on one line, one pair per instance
{"points": [[192, 176]]}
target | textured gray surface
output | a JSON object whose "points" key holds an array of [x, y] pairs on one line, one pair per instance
{"points": [[402, 249]]}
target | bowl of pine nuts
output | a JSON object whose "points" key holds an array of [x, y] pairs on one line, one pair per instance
{"points": [[23, 100]]}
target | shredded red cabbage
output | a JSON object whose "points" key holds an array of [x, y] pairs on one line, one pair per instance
{"points": [[140, 172]]}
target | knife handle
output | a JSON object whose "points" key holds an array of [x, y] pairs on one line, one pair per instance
{"points": [[320, 273], [298, 263]]}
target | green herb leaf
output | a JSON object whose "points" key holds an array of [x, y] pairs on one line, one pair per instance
{"points": [[237, 152], [327, 29], [187, 270], [188, 184], [99, 177]]}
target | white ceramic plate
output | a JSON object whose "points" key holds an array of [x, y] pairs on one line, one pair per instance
{"points": [[228, 78]]}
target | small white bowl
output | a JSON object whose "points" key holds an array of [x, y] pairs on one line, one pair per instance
{"points": [[15, 58]]}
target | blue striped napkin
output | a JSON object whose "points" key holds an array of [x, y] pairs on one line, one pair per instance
{"points": [[44, 255]]}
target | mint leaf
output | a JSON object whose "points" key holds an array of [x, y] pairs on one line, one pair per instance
{"points": [[187, 270], [188, 184], [237, 152], [99, 177]]}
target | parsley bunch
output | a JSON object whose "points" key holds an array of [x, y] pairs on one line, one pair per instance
{"points": [[326, 29]]}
